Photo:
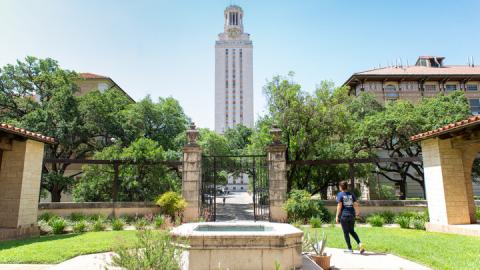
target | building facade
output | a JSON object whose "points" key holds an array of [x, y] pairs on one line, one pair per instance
{"points": [[427, 78], [233, 73]]}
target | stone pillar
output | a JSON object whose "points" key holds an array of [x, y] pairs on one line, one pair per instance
{"points": [[277, 172], [20, 175], [448, 182], [192, 176]]}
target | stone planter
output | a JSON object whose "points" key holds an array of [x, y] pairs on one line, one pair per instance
{"points": [[322, 260]]}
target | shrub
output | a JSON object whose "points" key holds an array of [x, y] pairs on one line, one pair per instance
{"points": [[418, 223], [159, 221], [47, 216], [77, 217], [58, 225], [153, 250], [141, 224], [118, 224], [128, 219], [316, 222], [99, 225], [80, 226], [171, 203], [388, 216], [97, 217], [376, 221], [478, 213], [301, 207], [403, 221], [44, 227], [408, 214], [297, 224]]}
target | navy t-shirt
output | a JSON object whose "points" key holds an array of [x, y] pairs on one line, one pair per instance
{"points": [[347, 199]]}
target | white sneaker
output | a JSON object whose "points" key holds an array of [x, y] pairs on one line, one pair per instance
{"points": [[348, 251], [361, 248]]}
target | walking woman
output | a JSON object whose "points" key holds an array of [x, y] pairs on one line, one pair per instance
{"points": [[347, 210]]}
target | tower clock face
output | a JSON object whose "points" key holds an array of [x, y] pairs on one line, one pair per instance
{"points": [[233, 32]]}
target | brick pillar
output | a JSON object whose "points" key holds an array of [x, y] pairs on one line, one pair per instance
{"points": [[448, 182], [192, 176], [277, 172], [20, 175]]}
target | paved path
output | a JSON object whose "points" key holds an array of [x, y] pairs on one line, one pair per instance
{"points": [[238, 206], [340, 261], [370, 260]]}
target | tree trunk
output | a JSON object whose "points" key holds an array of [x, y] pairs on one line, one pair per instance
{"points": [[403, 189], [323, 193], [56, 195]]}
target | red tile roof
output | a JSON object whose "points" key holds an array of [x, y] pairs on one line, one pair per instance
{"points": [[92, 76], [471, 121], [25, 133], [421, 70]]}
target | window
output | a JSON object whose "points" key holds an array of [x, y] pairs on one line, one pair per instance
{"points": [[391, 92], [390, 88], [102, 87], [472, 87], [450, 87], [474, 106], [241, 188], [430, 87], [226, 51]]}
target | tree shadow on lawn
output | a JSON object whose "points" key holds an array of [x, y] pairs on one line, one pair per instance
{"points": [[17, 243]]}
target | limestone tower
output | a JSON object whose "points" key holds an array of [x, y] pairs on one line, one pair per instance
{"points": [[233, 73]]}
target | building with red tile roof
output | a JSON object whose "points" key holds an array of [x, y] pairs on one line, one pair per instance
{"points": [[91, 81], [427, 78], [448, 130], [9, 129]]}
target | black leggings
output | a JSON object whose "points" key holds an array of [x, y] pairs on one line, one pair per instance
{"points": [[348, 227]]}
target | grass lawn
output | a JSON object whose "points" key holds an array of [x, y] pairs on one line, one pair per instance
{"points": [[58, 248], [437, 250]]}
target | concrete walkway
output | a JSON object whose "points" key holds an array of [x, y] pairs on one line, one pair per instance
{"points": [[370, 260], [238, 206], [340, 260]]}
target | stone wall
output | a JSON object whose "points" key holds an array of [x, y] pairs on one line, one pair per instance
{"points": [[104, 208], [377, 206], [142, 208]]}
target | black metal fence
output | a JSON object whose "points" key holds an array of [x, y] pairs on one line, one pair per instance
{"points": [[225, 174], [398, 171], [115, 168]]}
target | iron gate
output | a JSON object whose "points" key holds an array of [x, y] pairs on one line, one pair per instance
{"points": [[220, 175]]}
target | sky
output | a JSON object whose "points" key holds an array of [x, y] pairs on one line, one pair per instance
{"points": [[166, 48]]}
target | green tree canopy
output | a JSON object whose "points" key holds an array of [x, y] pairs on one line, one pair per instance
{"points": [[139, 182]]}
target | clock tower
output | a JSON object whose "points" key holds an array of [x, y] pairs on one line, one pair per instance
{"points": [[233, 73]]}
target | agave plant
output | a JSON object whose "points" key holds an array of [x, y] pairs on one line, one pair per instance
{"points": [[312, 242]]}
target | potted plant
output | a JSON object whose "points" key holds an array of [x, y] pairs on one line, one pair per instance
{"points": [[316, 246]]}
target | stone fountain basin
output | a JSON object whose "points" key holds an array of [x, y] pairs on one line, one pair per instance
{"points": [[240, 245]]}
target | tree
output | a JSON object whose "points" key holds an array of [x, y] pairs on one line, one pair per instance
{"points": [[313, 127], [238, 138], [139, 182], [389, 130], [162, 121], [38, 95]]}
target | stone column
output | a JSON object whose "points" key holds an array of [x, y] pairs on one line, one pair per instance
{"points": [[192, 175], [277, 172], [20, 174], [448, 182]]}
